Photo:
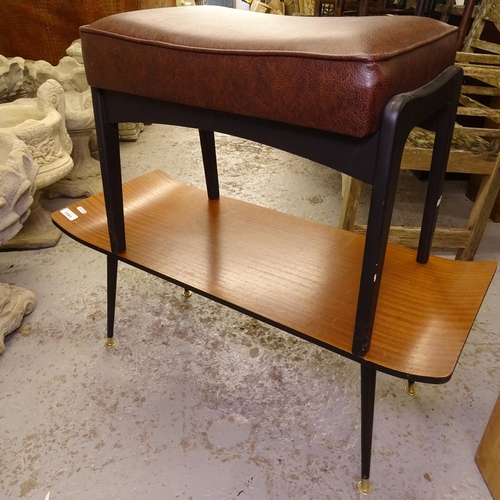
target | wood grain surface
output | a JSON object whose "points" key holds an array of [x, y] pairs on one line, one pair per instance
{"points": [[297, 274]]}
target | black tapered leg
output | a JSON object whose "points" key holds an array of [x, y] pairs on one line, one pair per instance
{"points": [[438, 101], [207, 141], [443, 123], [368, 383], [109, 157], [391, 145], [112, 271], [444, 131]]}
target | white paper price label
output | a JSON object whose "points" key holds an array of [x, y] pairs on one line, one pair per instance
{"points": [[69, 214]]}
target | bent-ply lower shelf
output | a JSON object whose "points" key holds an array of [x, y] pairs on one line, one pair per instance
{"points": [[297, 274]]}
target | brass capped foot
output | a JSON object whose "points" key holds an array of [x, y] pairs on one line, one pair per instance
{"points": [[187, 293], [365, 487], [411, 389], [109, 343]]}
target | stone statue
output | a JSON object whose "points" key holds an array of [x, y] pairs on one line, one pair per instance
{"points": [[17, 185], [11, 77], [17, 176], [15, 303]]}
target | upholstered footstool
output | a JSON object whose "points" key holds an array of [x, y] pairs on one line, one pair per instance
{"points": [[344, 92]]}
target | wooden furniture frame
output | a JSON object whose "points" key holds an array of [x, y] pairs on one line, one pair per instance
{"points": [[474, 151], [482, 158], [489, 10], [334, 288], [401, 7], [484, 67]]}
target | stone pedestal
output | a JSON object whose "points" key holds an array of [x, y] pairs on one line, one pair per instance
{"points": [[85, 177]]}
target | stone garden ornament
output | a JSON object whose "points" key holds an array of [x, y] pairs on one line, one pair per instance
{"points": [[17, 176], [39, 123]]}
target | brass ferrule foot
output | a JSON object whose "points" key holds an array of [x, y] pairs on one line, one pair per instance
{"points": [[411, 389], [187, 293], [109, 343], [365, 487]]}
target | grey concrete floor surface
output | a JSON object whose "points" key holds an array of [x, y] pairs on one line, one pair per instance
{"points": [[196, 401]]}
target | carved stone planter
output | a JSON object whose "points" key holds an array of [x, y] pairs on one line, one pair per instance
{"points": [[85, 177], [39, 123]]}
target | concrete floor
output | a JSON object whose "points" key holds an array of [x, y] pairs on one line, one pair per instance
{"points": [[197, 402]]}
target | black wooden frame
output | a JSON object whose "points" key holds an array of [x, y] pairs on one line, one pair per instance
{"points": [[374, 159]]}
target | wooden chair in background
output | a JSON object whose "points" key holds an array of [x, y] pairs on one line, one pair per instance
{"points": [[397, 7], [475, 149]]}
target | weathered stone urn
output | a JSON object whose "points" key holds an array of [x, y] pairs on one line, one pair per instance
{"points": [[39, 123], [85, 177]]}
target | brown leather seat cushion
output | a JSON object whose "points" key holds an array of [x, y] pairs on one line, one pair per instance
{"points": [[333, 74]]}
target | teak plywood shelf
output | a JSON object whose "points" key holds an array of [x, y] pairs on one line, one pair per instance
{"points": [[299, 275]]}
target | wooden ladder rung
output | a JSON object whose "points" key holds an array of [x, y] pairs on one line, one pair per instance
{"points": [[408, 236]]}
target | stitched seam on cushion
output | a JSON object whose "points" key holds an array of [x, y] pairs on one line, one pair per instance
{"points": [[259, 53]]}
